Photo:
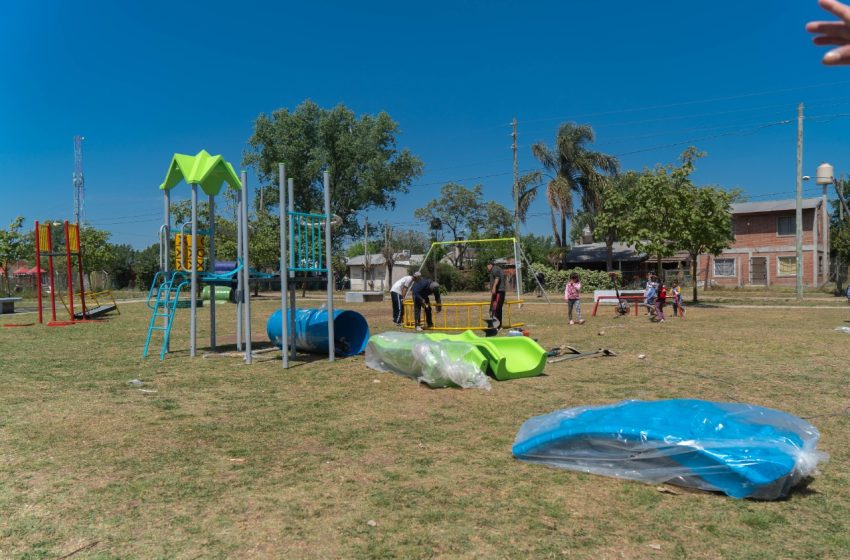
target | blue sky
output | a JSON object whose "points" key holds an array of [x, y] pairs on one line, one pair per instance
{"points": [[144, 80]]}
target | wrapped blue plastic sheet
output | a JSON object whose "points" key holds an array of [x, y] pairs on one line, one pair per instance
{"points": [[742, 450]]}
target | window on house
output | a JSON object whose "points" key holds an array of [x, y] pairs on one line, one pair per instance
{"points": [[786, 225], [787, 266], [724, 267]]}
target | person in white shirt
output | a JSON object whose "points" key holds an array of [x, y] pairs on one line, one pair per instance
{"points": [[398, 293]]}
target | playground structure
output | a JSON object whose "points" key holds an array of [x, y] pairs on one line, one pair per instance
{"points": [[72, 248], [305, 246], [209, 173], [463, 316]]}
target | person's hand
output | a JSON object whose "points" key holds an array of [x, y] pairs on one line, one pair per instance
{"points": [[833, 32]]}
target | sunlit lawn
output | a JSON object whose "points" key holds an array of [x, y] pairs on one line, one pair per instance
{"points": [[210, 458]]}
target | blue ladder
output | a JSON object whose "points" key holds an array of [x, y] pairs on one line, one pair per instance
{"points": [[165, 305]]}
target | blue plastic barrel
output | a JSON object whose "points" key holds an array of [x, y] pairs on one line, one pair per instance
{"points": [[351, 331]]}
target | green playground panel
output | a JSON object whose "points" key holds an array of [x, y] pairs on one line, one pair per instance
{"points": [[509, 357], [456, 350]]}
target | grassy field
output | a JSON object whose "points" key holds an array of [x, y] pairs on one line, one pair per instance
{"points": [[210, 458]]}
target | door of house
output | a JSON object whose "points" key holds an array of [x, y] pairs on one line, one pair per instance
{"points": [[758, 271]]}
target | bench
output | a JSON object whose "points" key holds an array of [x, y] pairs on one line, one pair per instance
{"points": [[7, 304]]}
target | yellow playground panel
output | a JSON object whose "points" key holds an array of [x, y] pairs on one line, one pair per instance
{"points": [[462, 316], [183, 251]]}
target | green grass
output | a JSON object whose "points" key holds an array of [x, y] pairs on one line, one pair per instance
{"points": [[232, 461]]}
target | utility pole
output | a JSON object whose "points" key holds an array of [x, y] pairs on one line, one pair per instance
{"points": [[799, 216], [79, 182], [516, 179]]}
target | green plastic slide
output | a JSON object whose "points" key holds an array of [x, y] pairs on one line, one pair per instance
{"points": [[509, 357]]}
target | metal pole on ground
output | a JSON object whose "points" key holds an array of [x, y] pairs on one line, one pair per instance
{"points": [[193, 267], [245, 270], [70, 274], [331, 342], [38, 272], [799, 214], [517, 269], [291, 203], [211, 228], [239, 286], [284, 266]]}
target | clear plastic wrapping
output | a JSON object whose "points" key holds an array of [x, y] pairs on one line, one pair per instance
{"points": [[742, 450], [441, 363]]}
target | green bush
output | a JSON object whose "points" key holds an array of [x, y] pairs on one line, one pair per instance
{"points": [[556, 280]]}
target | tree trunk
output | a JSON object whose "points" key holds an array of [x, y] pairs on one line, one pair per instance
{"points": [[659, 268], [563, 229], [694, 265], [707, 268], [609, 252]]}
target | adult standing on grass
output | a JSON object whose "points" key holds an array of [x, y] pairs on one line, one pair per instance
{"points": [[422, 289], [398, 292], [833, 33], [497, 292]]}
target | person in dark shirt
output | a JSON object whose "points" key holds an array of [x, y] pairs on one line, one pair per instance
{"points": [[422, 289], [497, 293]]}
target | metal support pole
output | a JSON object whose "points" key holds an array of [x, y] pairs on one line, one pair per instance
{"points": [[52, 274], [38, 272], [193, 266], [211, 258], [291, 203], [70, 274], [799, 216], [239, 286], [284, 268], [246, 309], [331, 341], [517, 270], [826, 266], [166, 223]]}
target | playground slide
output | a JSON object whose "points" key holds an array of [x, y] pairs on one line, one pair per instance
{"points": [[509, 357], [743, 450], [351, 331]]}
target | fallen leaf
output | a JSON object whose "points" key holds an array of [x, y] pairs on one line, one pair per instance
{"points": [[654, 546], [667, 490]]}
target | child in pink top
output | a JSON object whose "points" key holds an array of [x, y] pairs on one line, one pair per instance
{"points": [[572, 293]]}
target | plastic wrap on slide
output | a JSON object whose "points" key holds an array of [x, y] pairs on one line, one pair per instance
{"points": [[742, 450], [437, 363]]}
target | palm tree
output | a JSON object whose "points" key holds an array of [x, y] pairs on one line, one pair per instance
{"points": [[525, 191], [575, 170]]}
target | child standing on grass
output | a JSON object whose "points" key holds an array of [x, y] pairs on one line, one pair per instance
{"points": [[572, 293], [676, 294], [660, 300], [649, 295]]}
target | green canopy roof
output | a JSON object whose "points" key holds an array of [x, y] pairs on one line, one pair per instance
{"points": [[210, 172]]}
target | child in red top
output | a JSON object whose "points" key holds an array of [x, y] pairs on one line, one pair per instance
{"points": [[572, 293]]}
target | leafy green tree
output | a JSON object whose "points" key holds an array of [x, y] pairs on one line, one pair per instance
{"points": [[12, 247], [658, 205], [706, 224], [367, 170], [537, 247], [121, 264], [574, 169], [839, 235], [496, 222], [146, 265], [459, 210], [356, 248], [97, 251], [617, 200]]}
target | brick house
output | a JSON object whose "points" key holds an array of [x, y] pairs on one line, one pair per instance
{"points": [[764, 250]]}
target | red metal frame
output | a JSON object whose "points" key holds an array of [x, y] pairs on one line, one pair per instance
{"points": [[70, 274], [38, 271]]}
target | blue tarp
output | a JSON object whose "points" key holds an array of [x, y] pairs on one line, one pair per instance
{"points": [[743, 450]]}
